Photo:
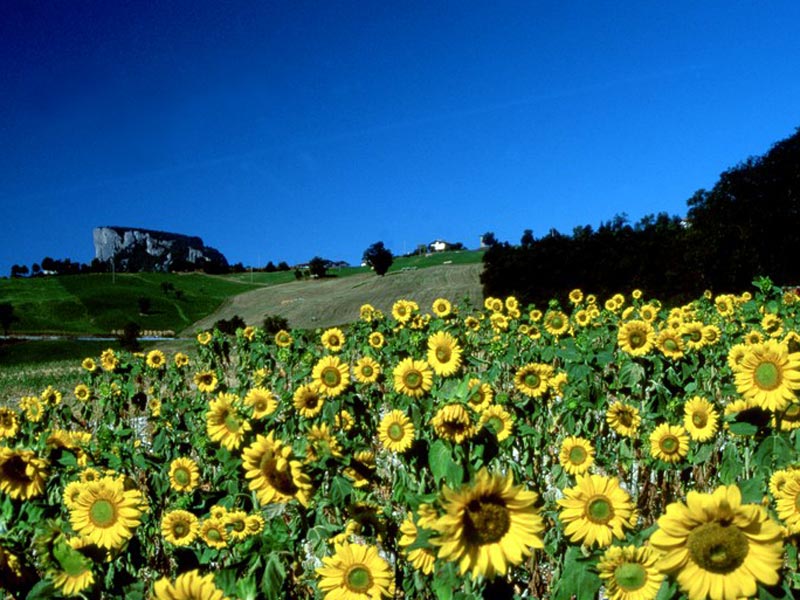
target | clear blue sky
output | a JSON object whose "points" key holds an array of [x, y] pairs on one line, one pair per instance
{"points": [[283, 130]]}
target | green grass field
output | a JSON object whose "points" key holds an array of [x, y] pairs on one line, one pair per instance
{"points": [[98, 303]]}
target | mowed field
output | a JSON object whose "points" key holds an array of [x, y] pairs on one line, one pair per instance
{"points": [[332, 301]]}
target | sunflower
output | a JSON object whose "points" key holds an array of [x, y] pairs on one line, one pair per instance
{"points": [[106, 513], [275, 476], [790, 418], [421, 558], [322, 441], [366, 313], [700, 419], [648, 312], [214, 533], [203, 338], [108, 360], [344, 420], [497, 420], [333, 339], [366, 370], [283, 339], [711, 334], [636, 337], [362, 465], [206, 381], [596, 510], [412, 377], [180, 527], [249, 333], [493, 304], [396, 431], [717, 547], [576, 455], [772, 325], [582, 317], [576, 296], [736, 355], [183, 474], [236, 520], [89, 365], [82, 392], [442, 307], [623, 418], [156, 359], [331, 376], [9, 423], [70, 493], [255, 524], [75, 570], [481, 395], [533, 379], [188, 586], [181, 360], [787, 503], [630, 573], [488, 525], [224, 424], [670, 343], [769, 375], [376, 340], [403, 310], [753, 337], [262, 401], [452, 422], [355, 572], [670, 443], [444, 353], [32, 405], [51, 396], [22, 473], [308, 400], [535, 315], [556, 323], [499, 322]]}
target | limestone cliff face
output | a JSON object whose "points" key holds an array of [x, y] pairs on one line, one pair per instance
{"points": [[148, 250]]}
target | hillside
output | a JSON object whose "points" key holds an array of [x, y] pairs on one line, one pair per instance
{"points": [[333, 301]]}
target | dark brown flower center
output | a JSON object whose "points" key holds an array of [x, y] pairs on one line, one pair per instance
{"points": [[718, 547], [486, 520]]}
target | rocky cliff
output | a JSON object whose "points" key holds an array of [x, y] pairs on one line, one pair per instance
{"points": [[148, 250]]}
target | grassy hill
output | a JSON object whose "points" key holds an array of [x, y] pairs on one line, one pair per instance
{"points": [[332, 301], [100, 302]]}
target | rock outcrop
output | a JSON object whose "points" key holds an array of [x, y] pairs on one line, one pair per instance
{"points": [[147, 250]]}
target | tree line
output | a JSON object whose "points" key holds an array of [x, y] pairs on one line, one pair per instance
{"points": [[746, 226]]}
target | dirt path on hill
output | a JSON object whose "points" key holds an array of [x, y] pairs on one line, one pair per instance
{"points": [[327, 302]]}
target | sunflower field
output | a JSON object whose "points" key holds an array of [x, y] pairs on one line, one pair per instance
{"points": [[609, 448]]}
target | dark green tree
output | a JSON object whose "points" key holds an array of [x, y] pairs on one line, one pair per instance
{"points": [[7, 316], [318, 267], [488, 239], [527, 238], [378, 257]]}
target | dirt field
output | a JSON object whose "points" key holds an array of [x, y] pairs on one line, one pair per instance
{"points": [[327, 302]]}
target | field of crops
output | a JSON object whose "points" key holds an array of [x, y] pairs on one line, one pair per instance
{"points": [[610, 448]]}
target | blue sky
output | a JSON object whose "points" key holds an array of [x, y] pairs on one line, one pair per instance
{"points": [[284, 130]]}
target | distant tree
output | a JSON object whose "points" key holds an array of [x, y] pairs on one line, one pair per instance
{"points": [[318, 267], [298, 274], [527, 238], [378, 257], [36, 269], [270, 268], [457, 246], [488, 239], [274, 323], [48, 264], [129, 339], [229, 326], [7, 316], [283, 266], [144, 305]]}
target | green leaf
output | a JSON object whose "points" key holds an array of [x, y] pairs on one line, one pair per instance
{"points": [[578, 579], [272, 580], [743, 428], [631, 374], [440, 459]]}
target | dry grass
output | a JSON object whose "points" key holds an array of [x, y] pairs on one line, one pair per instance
{"points": [[327, 302]]}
